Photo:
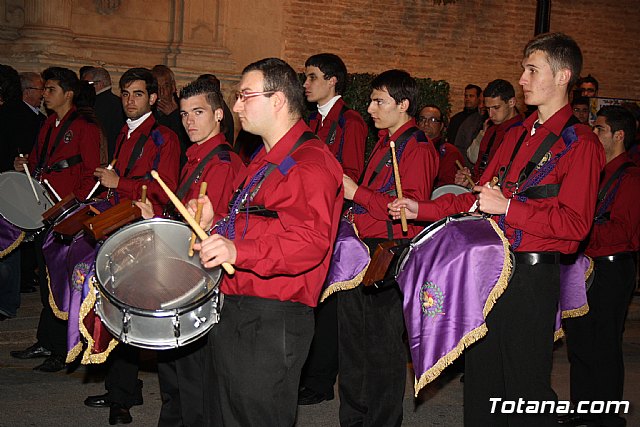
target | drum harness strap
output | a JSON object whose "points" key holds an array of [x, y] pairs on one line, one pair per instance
{"points": [[135, 155], [529, 188], [331, 136], [485, 156], [605, 197], [45, 154], [401, 143], [245, 194], [220, 150]]}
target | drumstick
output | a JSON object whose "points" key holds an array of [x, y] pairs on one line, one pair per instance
{"points": [[466, 175], [396, 173], [33, 188], [203, 191], [95, 187], [53, 190], [143, 194], [185, 213]]}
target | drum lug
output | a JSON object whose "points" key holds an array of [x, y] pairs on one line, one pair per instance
{"points": [[126, 324], [199, 321], [176, 327]]}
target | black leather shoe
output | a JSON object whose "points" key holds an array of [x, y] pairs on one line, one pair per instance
{"points": [[119, 415], [32, 352], [99, 401], [307, 396], [53, 363]]}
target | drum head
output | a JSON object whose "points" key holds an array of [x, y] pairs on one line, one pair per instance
{"points": [[18, 204], [449, 189], [145, 267]]}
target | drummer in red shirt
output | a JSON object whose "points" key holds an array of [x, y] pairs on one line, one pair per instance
{"points": [[279, 234], [594, 341], [371, 325], [548, 170]]}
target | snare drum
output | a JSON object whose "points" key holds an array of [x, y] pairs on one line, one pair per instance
{"points": [[18, 204], [151, 293], [449, 189], [451, 276]]}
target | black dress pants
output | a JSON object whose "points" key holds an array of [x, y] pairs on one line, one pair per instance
{"points": [[183, 384], [373, 358], [594, 341], [258, 349], [321, 368], [121, 381], [514, 359]]}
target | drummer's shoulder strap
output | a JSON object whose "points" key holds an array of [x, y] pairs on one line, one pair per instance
{"points": [[221, 150], [605, 197], [44, 154], [137, 150]]}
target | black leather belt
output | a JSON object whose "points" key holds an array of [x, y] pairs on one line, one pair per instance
{"points": [[533, 258], [616, 257]]}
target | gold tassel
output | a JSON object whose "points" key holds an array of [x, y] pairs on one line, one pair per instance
{"points": [[344, 286], [87, 305], [52, 302]]}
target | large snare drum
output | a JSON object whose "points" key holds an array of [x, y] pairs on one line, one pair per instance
{"points": [[18, 204], [151, 294]]}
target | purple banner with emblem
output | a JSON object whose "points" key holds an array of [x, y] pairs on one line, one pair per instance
{"points": [[452, 277], [10, 237], [349, 261]]}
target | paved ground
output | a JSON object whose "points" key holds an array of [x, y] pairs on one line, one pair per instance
{"points": [[36, 399]]}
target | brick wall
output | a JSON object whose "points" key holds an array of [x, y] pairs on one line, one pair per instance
{"points": [[471, 41]]}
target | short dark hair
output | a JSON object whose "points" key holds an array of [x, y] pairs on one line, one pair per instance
{"points": [[562, 52], [499, 89], [203, 87], [280, 77], [331, 66], [143, 74], [10, 89], [400, 86], [476, 87], [619, 118], [588, 79], [211, 78], [67, 79], [443, 117], [580, 100]]}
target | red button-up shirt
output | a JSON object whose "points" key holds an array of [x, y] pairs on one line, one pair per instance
{"points": [[499, 131], [551, 224], [130, 186], [447, 168], [354, 133], [219, 173], [81, 138], [621, 232], [418, 167], [287, 258]]}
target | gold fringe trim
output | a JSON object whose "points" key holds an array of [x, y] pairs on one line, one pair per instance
{"points": [[344, 286], [576, 312], [589, 271], [503, 280], [74, 352], [446, 360], [52, 302], [86, 306], [479, 332], [558, 334], [13, 245]]}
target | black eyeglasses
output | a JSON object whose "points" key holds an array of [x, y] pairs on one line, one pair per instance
{"points": [[423, 119]]}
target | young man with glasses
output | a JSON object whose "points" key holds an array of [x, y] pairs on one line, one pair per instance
{"points": [[279, 234], [431, 121]]}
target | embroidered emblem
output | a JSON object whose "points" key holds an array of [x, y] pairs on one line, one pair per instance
{"points": [[68, 136], [544, 160], [78, 276], [431, 299]]}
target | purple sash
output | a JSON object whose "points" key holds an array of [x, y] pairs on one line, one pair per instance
{"points": [[349, 261], [450, 283], [573, 291], [10, 237]]}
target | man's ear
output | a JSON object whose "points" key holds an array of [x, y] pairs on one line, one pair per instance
{"points": [[278, 100], [563, 76], [512, 102], [404, 105], [153, 98], [618, 136]]}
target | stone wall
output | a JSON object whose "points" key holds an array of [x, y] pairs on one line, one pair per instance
{"points": [[469, 41]]}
